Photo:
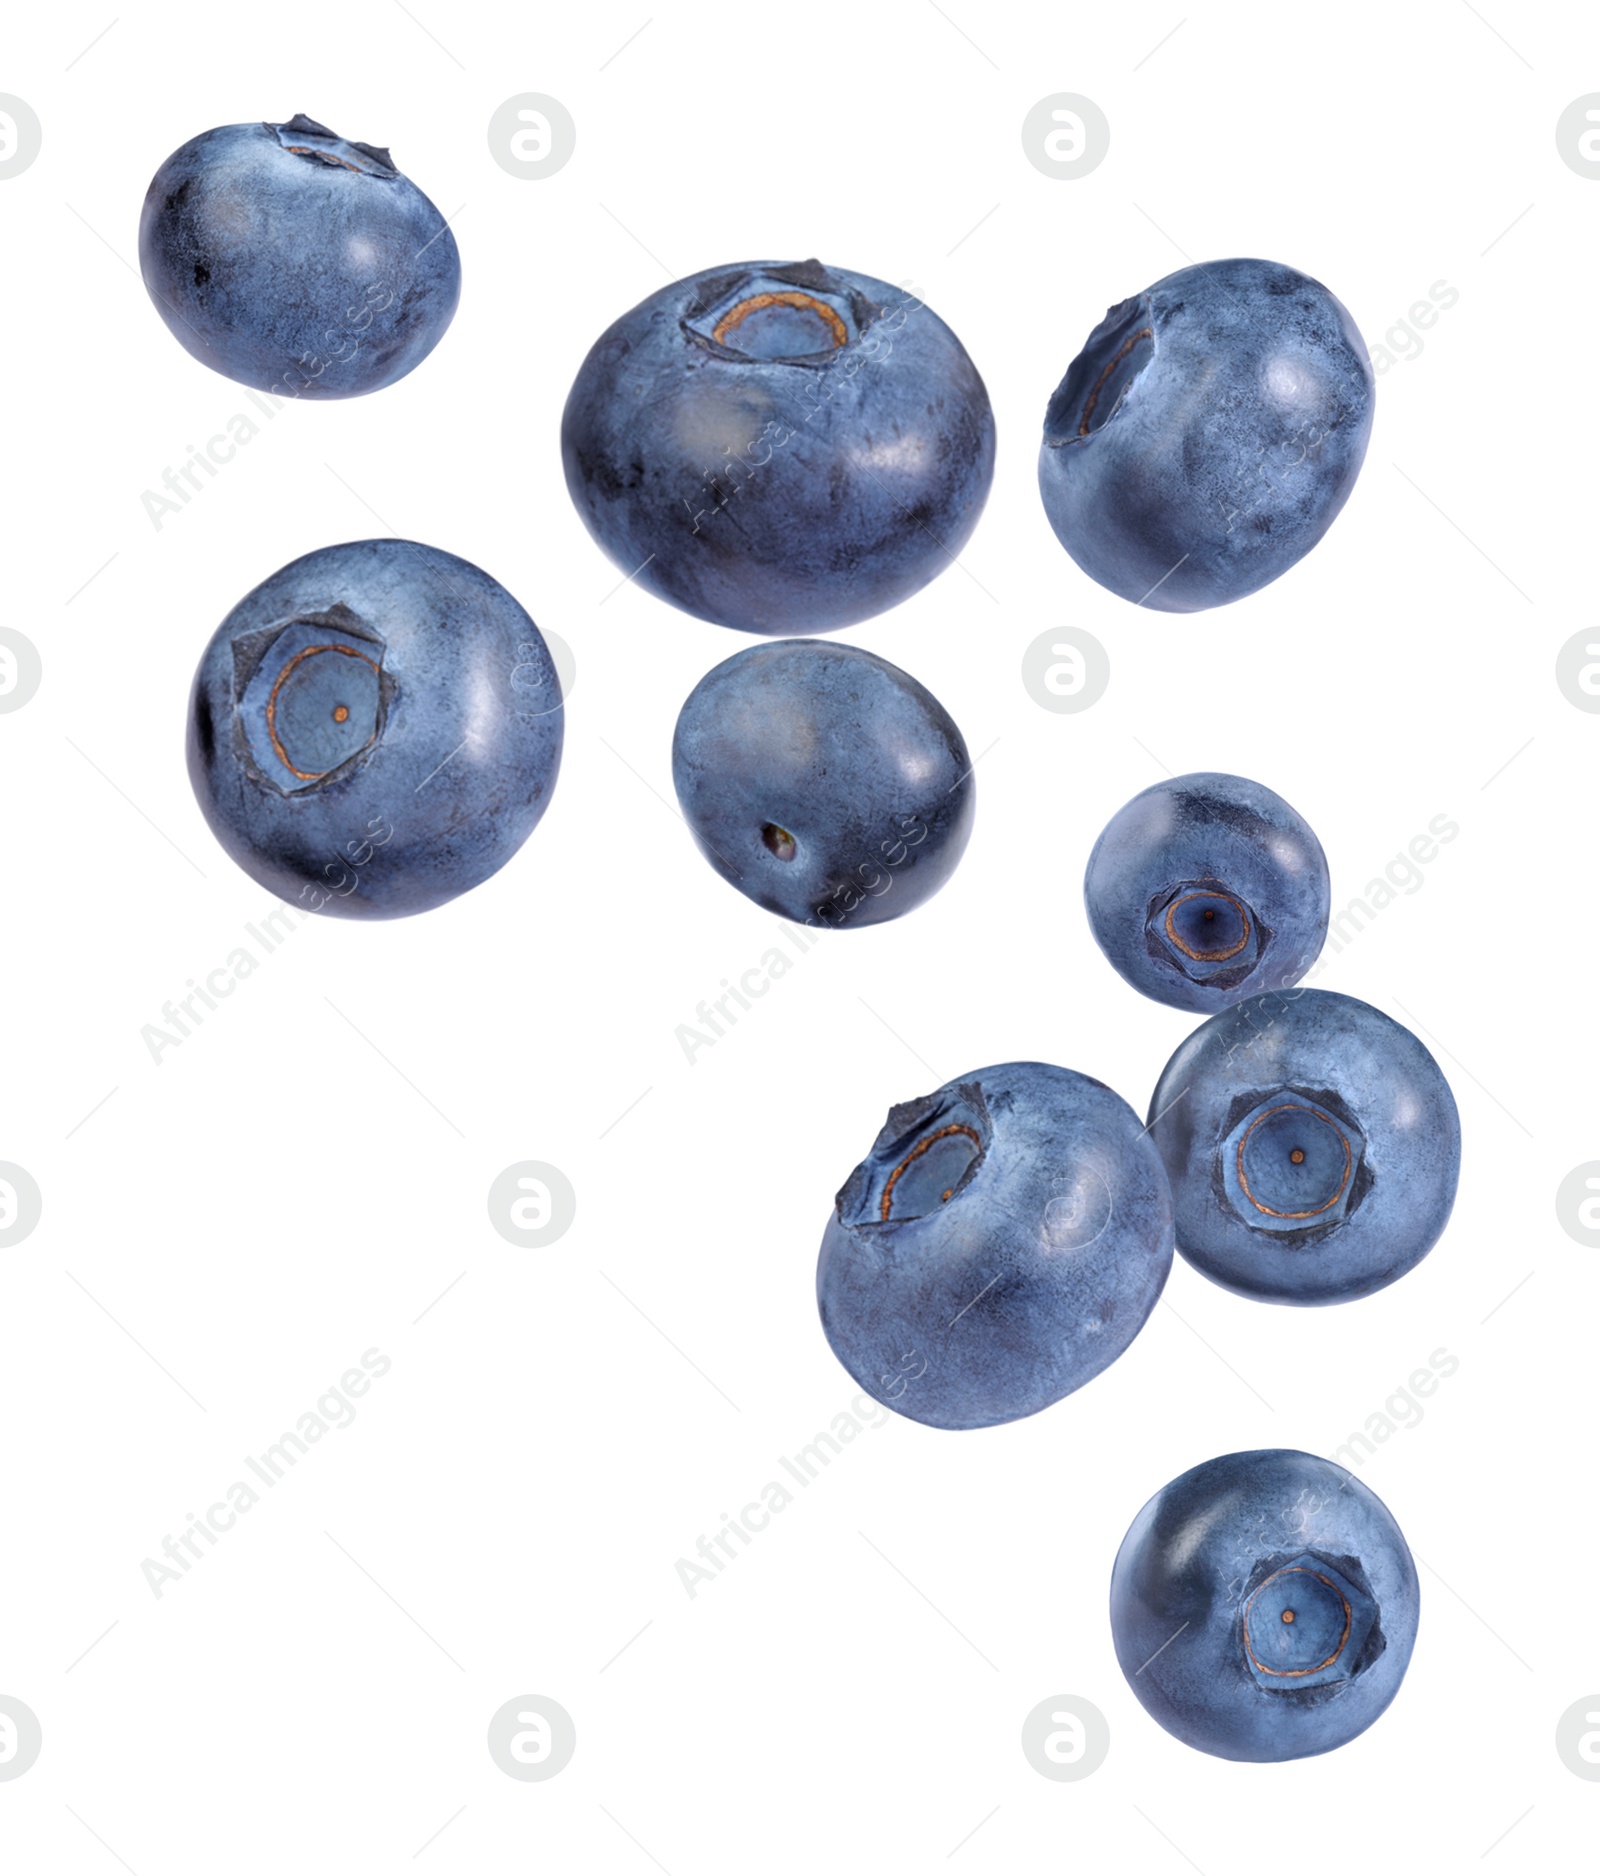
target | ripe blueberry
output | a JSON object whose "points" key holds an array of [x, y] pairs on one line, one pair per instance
{"points": [[295, 262], [1002, 1243], [1208, 433], [1264, 1606], [375, 729], [1312, 1144], [1207, 889], [778, 446], [822, 781]]}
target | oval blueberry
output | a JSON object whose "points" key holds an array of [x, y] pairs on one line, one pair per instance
{"points": [[1207, 435], [295, 262], [1207, 889], [375, 729], [824, 782], [1313, 1148], [779, 447], [1264, 1606], [1002, 1243]]}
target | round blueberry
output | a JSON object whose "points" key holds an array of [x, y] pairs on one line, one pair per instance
{"points": [[822, 781], [779, 447], [1003, 1242], [1208, 889], [375, 729], [295, 262], [1312, 1144], [1206, 436], [1264, 1606]]}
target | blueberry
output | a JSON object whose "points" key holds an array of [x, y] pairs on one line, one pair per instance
{"points": [[1004, 1241], [823, 782], [375, 729], [1206, 436], [297, 263], [1208, 889], [1264, 1606], [779, 447], [1312, 1144]]}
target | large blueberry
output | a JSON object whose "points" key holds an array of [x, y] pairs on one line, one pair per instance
{"points": [[1208, 433], [1004, 1241], [824, 782], [375, 729], [1264, 1606], [1207, 889], [295, 262], [780, 447], [1313, 1147]]}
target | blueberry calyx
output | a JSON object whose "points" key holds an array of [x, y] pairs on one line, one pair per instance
{"points": [[1293, 1163], [928, 1152], [1100, 378], [1206, 932], [304, 137], [311, 699], [799, 314], [1307, 1625]]}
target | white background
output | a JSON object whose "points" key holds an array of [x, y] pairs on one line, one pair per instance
{"points": [[305, 1175]]}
